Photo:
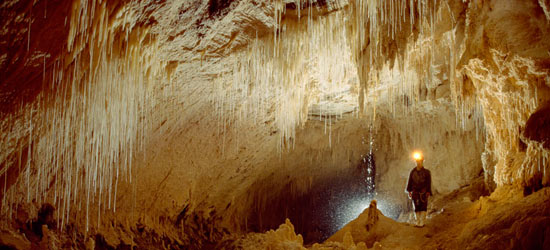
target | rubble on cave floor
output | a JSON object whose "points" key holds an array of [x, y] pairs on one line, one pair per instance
{"points": [[505, 220]]}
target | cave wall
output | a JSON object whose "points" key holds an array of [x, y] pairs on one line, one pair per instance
{"points": [[508, 69], [491, 55], [452, 154]]}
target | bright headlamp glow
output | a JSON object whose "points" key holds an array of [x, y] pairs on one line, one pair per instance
{"points": [[418, 155]]}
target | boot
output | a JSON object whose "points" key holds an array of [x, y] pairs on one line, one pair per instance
{"points": [[417, 218], [423, 218]]}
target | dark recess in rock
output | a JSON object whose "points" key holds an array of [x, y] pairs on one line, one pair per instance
{"points": [[45, 217], [218, 7], [537, 127]]}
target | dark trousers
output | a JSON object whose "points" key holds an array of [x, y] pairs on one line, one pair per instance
{"points": [[420, 201]]}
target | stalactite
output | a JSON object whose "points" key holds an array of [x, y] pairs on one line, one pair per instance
{"points": [[85, 124], [274, 73]]}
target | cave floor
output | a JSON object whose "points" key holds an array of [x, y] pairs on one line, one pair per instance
{"points": [[504, 220], [441, 229]]}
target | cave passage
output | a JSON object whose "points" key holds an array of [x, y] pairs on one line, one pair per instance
{"points": [[328, 206]]}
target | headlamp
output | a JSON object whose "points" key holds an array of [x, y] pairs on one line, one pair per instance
{"points": [[417, 155]]}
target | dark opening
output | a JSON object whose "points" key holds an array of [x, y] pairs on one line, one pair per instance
{"points": [[218, 7], [324, 210]]}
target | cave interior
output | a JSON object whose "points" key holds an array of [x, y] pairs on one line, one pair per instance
{"points": [[280, 124]]}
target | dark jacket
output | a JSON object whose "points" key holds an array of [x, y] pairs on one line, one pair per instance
{"points": [[420, 181]]}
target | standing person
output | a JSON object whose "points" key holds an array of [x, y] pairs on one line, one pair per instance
{"points": [[419, 188]]}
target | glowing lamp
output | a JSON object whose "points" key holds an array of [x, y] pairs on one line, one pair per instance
{"points": [[417, 155]]}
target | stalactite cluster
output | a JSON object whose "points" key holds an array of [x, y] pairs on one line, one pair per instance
{"points": [[81, 133]]}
